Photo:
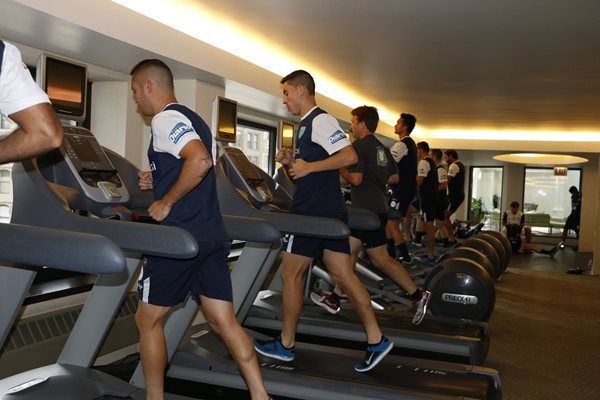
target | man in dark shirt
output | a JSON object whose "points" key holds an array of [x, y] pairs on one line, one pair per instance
{"points": [[456, 190], [427, 182], [574, 217], [368, 179]]}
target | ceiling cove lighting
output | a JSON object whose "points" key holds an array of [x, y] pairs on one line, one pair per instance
{"points": [[199, 22], [543, 136], [540, 159]]}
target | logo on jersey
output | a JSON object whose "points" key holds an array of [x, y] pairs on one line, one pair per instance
{"points": [[301, 132], [178, 131], [337, 136], [382, 160], [152, 166]]}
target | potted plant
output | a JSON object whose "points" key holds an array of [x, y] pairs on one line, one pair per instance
{"points": [[476, 211]]}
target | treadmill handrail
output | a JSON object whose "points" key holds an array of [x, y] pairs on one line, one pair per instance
{"points": [[306, 225], [59, 249], [250, 229], [149, 239]]}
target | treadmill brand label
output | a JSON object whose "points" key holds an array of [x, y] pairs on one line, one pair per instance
{"points": [[459, 298]]}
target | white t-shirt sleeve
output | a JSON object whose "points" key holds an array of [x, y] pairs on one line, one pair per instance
{"points": [[453, 170], [398, 151], [171, 131], [327, 133], [18, 90], [442, 175], [423, 168]]}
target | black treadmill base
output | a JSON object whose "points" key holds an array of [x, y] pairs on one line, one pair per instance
{"points": [[207, 391]]}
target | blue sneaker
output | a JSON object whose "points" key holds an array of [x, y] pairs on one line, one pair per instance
{"points": [[375, 353], [426, 261], [273, 349]]}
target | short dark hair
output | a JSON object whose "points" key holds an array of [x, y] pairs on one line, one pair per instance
{"points": [[514, 204], [300, 77], [437, 154], [158, 64], [424, 146], [573, 190], [452, 153], [409, 121], [368, 115]]}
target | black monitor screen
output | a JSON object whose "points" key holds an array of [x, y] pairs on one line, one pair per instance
{"points": [[227, 120], [65, 84]]}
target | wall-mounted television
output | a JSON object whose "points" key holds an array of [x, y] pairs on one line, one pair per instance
{"points": [[224, 119], [286, 135], [65, 82]]}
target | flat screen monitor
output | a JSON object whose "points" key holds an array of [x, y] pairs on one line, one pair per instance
{"points": [[287, 139], [226, 120], [65, 82]]}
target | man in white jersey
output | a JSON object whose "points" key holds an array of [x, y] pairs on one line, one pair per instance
{"points": [[519, 235], [27, 105]]}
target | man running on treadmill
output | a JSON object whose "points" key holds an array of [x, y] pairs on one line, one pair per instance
{"points": [[322, 149], [368, 179], [442, 196], [456, 190], [184, 187], [404, 153], [28, 106], [427, 182]]}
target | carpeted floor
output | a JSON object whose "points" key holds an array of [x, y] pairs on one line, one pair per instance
{"points": [[546, 329]]}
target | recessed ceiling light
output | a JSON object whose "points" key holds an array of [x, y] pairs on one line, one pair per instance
{"points": [[540, 159]]}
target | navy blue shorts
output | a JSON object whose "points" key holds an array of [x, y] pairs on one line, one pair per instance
{"points": [[455, 202], [402, 199], [441, 206], [310, 246], [376, 238], [166, 282], [427, 208]]}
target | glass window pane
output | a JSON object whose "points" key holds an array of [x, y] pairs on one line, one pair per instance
{"points": [[486, 196], [548, 196], [255, 142]]}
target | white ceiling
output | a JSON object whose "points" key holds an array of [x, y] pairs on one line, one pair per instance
{"points": [[490, 64], [501, 64]]}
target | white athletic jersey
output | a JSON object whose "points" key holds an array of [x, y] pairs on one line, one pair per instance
{"points": [[513, 219], [327, 133], [398, 150], [18, 90], [171, 131], [453, 169], [442, 175], [423, 168]]}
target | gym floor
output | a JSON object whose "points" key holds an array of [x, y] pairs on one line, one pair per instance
{"points": [[545, 328]]}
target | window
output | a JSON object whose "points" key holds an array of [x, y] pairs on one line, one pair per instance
{"points": [[257, 141], [485, 197], [547, 196]]}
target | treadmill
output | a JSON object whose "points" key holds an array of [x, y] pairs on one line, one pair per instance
{"points": [[57, 190], [318, 371], [441, 338]]}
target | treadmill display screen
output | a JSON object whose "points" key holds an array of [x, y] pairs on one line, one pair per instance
{"points": [[83, 149]]}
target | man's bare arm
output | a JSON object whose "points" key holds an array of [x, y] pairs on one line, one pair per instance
{"points": [[39, 131]]}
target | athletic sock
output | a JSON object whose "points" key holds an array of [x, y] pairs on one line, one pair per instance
{"points": [[416, 295], [403, 251], [391, 248]]}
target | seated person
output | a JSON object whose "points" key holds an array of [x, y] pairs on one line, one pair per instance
{"points": [[518, 234]]}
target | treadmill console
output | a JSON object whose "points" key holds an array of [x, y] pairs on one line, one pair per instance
{"points": [[254, 184], [91, 167]]}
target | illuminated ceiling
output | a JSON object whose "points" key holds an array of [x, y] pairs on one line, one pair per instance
{"points": [[540, 159], [467, 69]]}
